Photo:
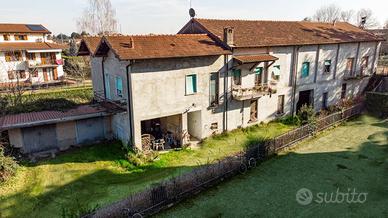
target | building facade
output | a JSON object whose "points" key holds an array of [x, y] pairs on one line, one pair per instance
{"points": [[28, 56], [227, 74]]}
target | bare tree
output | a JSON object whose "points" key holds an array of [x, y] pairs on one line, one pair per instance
{"points": [[98, 18], [371, 21], [385, 24], [347, 16], [78, 67], [327, 13]]}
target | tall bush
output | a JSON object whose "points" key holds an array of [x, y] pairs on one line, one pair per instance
{"points": [[8, 166], [306, 114]]}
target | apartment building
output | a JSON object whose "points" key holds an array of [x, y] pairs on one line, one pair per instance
{"points": [[219, 75], [28, 56]]}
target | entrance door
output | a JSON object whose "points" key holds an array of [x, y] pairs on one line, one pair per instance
{"points": [[305, 98], [107, 86], [253, 116], [45, 75], [55, 74]]}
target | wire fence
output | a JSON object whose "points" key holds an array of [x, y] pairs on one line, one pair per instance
{"points": [[167, 193]]}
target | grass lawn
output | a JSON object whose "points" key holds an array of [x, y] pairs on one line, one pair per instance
{"points": [[352, 156], [100, 175]]}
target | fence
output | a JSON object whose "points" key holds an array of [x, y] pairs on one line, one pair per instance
{"points": [[168, 193]]}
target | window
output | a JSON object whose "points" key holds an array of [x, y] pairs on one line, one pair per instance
{"points": [[21, 74], [324, 100], [21, 37], [213, 89], [6, 37], [31, 56], [280, 104], [119, 86], [343, 91], [191, 84], [258, 75], [13, 56], [276, 72], [305, 69], [364, 65], [214, 126], [11, 75], [253, 114], [237, 77], [327, 66], [349, 66]]}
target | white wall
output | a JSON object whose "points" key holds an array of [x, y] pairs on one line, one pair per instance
{"points": [[31, 37]]}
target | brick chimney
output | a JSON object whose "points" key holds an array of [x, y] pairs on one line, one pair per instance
{"points": [[229, 36]]}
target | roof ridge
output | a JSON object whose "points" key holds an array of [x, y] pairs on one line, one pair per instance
{"points": [[275, 21], [158, 35]]}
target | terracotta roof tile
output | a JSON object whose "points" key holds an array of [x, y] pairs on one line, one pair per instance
{"points": [[91, 43], [163, 46], [281, 33], [22, 28], [255, 58], [9, 46], [28, 119]]}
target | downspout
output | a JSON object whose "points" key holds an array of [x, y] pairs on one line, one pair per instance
{"points": [[336, 61], [129, 102], [357, 56], [374, 58], [103, 76], [295, 78], [316, 63], [225, 93]]}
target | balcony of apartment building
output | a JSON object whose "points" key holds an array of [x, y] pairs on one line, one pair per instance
{"points": [[46, 60], [250, 76]]}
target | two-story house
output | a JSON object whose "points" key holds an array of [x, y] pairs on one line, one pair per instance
{"points": [[219, 75], [28, 56]]}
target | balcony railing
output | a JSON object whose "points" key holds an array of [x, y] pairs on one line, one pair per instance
{"points": [[241, 94], [46, 63], [355, 75]]}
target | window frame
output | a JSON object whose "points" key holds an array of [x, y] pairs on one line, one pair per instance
{"points": [[194, 83], [364, 67], [351, 66], [20, 37], [303, 75], [276, 78], [119, 92], [214, 101], [11, 75], [7, 37], [237, 79], [325, 70]]}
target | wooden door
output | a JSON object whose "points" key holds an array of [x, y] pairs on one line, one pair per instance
{"points": [[45, 75], [55, 74], [43, 58], [53, 57], [253, 116]]}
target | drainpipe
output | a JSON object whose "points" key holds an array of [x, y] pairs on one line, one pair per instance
{"points": [[129, 103], [356, 61], [226, 78], [103, 76], [295, 78], [374, 59]]}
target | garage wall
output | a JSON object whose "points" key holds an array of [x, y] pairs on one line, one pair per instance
{"points": [[61, 136]]}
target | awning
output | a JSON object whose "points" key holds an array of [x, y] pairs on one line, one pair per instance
{"points": [[247, 59]]}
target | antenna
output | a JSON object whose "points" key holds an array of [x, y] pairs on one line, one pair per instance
{"points": [[191, 11]]}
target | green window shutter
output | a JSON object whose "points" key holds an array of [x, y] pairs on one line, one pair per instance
{"points": [[191, 84], [305, 69], [237, 73], [259, 70], [119, 86]]}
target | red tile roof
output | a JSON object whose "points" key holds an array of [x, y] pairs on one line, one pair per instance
{"points": [[163, 46], [89, 45], [255, 58], [281, 33], [22, 28], [10, 46], [46, 117]]}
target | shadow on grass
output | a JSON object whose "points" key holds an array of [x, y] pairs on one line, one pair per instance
{"points": [[272, 184]]}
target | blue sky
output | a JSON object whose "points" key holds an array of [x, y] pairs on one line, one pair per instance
{"points": [[167, 16]]}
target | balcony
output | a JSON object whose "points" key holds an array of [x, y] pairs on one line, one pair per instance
{"points": [[42, 64], [242, 94], [355, 76]]}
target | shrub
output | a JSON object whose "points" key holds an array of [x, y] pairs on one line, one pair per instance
{"points": [[8, 166], [290, 120], [306, 114], [140, 158]]}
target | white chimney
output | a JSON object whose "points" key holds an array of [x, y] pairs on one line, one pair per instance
{"points": [[229, 35]]}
